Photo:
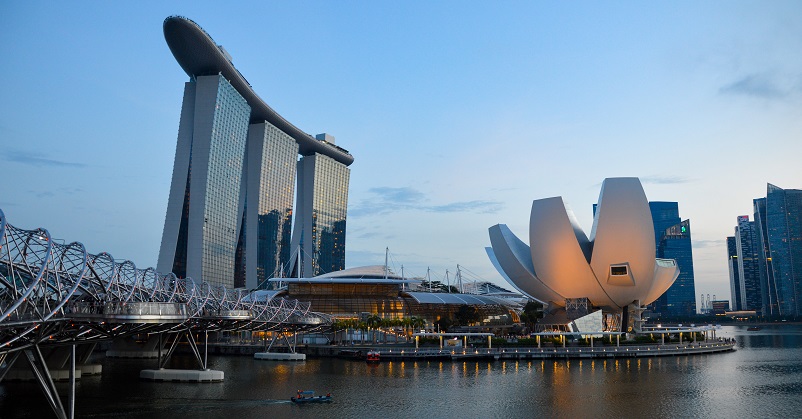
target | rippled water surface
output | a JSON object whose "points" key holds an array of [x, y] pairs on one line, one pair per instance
{"points": [[763, 378]]}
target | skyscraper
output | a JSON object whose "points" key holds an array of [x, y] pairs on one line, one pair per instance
{"points": [[736, 290], [319, 234], [783, 239], [270, 182], [768, 287], [229, 214], [201, 225], [745, 279], [673, 241]]}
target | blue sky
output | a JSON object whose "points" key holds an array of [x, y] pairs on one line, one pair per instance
{"points": [[458, 114]]}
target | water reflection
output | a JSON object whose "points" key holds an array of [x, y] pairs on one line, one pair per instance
{"points": [[763, 378]]}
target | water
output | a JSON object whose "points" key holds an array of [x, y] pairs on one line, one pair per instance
{"points": [[762, 379]]}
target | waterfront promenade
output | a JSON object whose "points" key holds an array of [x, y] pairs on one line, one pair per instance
{"points": [[394, 352]]}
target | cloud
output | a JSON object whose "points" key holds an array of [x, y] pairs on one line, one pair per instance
{"points": [[762, 86], [664, 180], [484, 207], [701, 244], [37, 160], [385, 200], [398, 195], [376, 235]]}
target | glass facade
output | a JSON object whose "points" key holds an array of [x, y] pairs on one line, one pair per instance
{"points": [[322, 207], [355, 300], [673, 241], [270, 181], [784, 240], [216, 127], [768, 288], [735, 279], [748, 268], [224, 172]]}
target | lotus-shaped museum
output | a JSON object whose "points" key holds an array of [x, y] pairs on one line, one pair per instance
{"points": [[613, 269]]}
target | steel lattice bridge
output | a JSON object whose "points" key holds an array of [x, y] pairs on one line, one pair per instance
{"points": [[54, 294]]}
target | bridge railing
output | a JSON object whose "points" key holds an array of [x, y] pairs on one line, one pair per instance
{"points": [[45, 281]]}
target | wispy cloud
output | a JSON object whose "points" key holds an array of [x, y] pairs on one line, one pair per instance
{"points": [[38, 160], [701, 244], [484, 207], [664, 180], [398, 195], [385, 200], [763, 85]]}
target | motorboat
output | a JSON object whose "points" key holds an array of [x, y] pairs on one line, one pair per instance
{"points": [[307, 396], [373, 356]]}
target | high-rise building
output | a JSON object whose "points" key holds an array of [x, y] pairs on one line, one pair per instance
{"points": [[201, 225], [748, 267], [673, 241], [768, 288], [780, 219], [230, 210], [322, 200], [270, 183], [736, 290]]}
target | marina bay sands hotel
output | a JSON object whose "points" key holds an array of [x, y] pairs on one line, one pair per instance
{"points": [[230, 212]]}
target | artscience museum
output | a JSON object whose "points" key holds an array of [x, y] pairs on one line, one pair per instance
{"points": [[610, 275]]}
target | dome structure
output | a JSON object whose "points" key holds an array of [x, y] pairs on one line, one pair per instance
{"points": [[613, 268]]}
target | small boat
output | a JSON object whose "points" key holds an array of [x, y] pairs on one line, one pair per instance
{"points": [[754, 328], [373, 356], [309, 397]]}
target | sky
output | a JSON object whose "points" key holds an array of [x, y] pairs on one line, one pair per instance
{"points": [[458, 114]]}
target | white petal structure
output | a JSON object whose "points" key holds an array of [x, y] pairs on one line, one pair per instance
{"points": [[513, 255], [613, 268]]}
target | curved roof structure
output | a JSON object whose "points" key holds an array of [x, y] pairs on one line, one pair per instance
{"points": [[459, 299], [613, 268], [363, 272], [198, 54]]}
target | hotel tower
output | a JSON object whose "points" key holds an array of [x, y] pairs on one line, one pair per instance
{"points": [[230, 211]]}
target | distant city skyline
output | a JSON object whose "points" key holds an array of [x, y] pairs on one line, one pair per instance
{"points": [[457, 114]]}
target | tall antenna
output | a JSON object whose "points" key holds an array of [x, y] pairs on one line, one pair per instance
{"points": [[386, 255], [429, 279], [459, 280]]}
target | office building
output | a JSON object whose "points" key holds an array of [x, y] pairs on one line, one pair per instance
{"points": [[673, 241], [230, 209], [778, 224], [745, 272], [736, 294]]}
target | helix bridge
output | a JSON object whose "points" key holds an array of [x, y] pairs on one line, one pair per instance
{"points": [[57, 294]]}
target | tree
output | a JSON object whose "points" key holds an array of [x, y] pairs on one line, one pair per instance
{"points": [[443, 324], [466, 315], [532, 311]]}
